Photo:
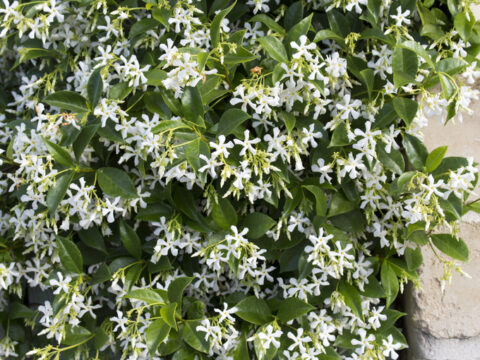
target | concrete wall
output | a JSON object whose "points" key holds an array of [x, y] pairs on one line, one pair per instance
{"points": [[446, 326]]}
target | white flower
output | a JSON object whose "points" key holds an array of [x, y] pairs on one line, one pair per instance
{"points": [[390, 347], [222, 147], [401, 18], [270, 337], [302, 48], [247, 143]]}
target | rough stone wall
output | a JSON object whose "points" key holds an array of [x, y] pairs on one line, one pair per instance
{"points": [[446, 326]]}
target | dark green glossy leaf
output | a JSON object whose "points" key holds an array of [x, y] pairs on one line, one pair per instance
{"points": [[130, 239], [116, 182], [254, 310], [451, 246], [67, 100], [70, 256]]}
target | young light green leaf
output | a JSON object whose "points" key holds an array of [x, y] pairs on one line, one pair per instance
{"points": [[435, 158]]}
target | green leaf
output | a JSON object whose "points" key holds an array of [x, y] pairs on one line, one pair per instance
{"points": [[93, 238], [33, 53], [351, 296], [230, 120], [435, 158], [451, 246], [116, 182], [75, 334], [193, 151], [17, 310], [464, 22], [194, 338], [241, 353], [293, 308], [340, 205], [156, 334], [142, 26], [293, 15], [215, 26], [405, 66], [59, 154], [168, 314], [274, 48], [416, 152], [169, 125], [95, 87], [254, 310], [413, 258], [155, 77], [328, 34], [223, 213], [289, 120], [83, 139], [67, 100], [368, 78], [130, 239], [70, 256], [56, 194], [119, 91], [389, 282], [299, 29], [192, 106], [339, 136], [320, 199], [393, 160], [405, 108], [149, 296], [451, 66], [185, 202], [258, 224], [269, 22], [419, 50], [176, 288]]}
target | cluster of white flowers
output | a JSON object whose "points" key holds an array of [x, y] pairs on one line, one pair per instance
{"points": [[172, 172]]}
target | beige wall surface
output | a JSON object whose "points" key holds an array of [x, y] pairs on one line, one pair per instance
{"points": [[446, 326]]}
